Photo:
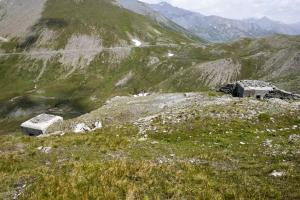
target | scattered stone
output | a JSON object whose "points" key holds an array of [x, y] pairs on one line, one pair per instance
{"points": [[170, 54], [136, 42], [2, 39], [56, 133], [294, 127], [294, 138], [268, 143], [143, 139], [97, 125], [81, 127], [40, 124], [19, 190], [277, 173], [154, 142], [142, 94], [44, 149]]}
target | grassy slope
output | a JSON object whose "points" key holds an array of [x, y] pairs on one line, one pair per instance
{"points": [[209, 162], [111, 24]]}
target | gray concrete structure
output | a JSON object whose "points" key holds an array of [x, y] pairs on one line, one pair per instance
{"points": [[253, 88], [257, 89], [39, 124]]}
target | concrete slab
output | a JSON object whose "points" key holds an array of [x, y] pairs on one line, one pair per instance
{"points": [[39, 124]]}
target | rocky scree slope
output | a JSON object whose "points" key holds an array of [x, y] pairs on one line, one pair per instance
{"points": [[174, 108], [176, 151]]}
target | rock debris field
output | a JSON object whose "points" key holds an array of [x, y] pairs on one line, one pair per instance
{"points": [[173, 108]]}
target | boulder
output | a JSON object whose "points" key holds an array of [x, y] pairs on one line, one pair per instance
{"points": [[81, 127]]}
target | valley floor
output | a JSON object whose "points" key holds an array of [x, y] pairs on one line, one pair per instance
{"points": [[229, 149]]}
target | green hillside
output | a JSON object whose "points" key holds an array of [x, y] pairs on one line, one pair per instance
{"points": [[43, 80], [81, 53], [86, 60]]}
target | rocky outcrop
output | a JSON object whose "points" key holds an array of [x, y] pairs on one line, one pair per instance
{"points": [[81, 50], [18, 16], [281, 94], [219, 72]]}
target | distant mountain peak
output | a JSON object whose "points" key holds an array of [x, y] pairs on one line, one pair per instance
{"points": [[219, 29]]}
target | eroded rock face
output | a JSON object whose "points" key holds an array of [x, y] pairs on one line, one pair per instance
{"points": [[18, 16], [219, 72], [80, 51]]}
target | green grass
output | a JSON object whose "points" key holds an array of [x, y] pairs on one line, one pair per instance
{"points": [[198, 159]]}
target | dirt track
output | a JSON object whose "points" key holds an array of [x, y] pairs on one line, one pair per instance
{"points": [[55, 52]]}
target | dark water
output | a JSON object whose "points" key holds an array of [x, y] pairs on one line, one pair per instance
{"points": [[15, 111]]}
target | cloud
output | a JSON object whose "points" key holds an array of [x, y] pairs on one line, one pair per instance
{"points": [[282, 10]]}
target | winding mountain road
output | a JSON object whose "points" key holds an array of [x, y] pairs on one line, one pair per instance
{"points": [[75, 51]]}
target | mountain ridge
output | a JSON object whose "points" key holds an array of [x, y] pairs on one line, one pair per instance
{"points": [[219, 29], [69, 64]]}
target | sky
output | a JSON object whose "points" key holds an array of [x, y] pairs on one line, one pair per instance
{"points": [[287, 11]]}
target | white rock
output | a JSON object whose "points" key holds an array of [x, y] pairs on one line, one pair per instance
{"points": [[170, 54], [81, 127], [97, 125], [277, 174], [44, 149], [242, 143], [40, 148], [136, 42], [56, 133], [295, 127], [268, 143], [142, 94], [3, 39], [154, 142], [143, 139], [294, 137]]}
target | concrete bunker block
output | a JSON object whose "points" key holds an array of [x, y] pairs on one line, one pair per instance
{"points": [[253, 88], [39, 124]]}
